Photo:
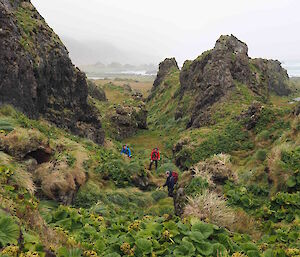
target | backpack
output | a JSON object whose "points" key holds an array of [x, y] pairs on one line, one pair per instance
{"points": [[175, 176], [155, 155]]}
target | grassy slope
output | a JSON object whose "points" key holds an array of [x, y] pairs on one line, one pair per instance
{"points": [[252, 152], [106, 210], [98, 162]]}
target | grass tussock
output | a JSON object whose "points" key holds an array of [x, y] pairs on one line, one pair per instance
{"points": [[58, 180], [25, 180], [22, 141], [277, 176], [210, 207], [216, 170], [245, 224], [19, 177]]}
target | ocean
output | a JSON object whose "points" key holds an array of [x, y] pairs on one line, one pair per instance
{"points": [[293, 69]]}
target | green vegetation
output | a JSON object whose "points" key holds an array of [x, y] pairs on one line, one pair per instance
{"points": [[30, 23], [261, 155], [232, 138], [197, 186], [6, 126], [118, 207], [9, 230]]}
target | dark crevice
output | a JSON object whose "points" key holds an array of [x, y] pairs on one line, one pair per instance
{"points": [[40, 155]]}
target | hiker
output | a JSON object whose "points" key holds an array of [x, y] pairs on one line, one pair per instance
{"points": [[172, 178], [126, 151], [155, 157]]}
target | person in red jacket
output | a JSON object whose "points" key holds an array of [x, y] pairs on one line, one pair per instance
{"points": [[155, 157]]}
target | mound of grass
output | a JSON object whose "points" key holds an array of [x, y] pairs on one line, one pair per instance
{"points": [[158, 195], [232, 138], [261, 155], [168, 166]]}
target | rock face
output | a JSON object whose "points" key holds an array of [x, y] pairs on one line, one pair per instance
{"points": [[297, 110], [37, 75], [164, 68], [251, 116], [215, 72], [127, 120], [96, 92], [274, 77]]}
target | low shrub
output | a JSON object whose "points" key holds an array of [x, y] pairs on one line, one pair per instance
{"points": [[263, 135], [261, 155], [167, 166], [87, 195], [232, 138], [9, 230], [6, 126], [158, 195], [7, 110], [291, 159], [197, 186]]}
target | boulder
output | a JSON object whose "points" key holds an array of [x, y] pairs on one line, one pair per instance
{"points": [[127, 120], [143, 181]]}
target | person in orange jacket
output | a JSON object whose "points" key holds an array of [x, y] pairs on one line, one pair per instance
{"points": [[155, 157]]}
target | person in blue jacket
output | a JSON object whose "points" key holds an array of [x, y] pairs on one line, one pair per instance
{"points": [[126, 151]]}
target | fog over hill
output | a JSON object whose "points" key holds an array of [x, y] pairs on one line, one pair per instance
{"points": [[138, 32], [86, 52]]}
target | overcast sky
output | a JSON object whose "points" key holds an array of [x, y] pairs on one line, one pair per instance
{"points": [[184, 29]]}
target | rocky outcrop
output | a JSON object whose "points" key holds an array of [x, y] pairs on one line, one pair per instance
{"points": [[96, 92], [144, 180], [127, 120], [37, 75], [296, 111], [270, 74], [164, 68], [180, 201], [213, 74], [251, 116]]}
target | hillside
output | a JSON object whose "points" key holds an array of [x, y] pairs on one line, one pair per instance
{"points": [[37, 75], [226, 123], [109, 215]]}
